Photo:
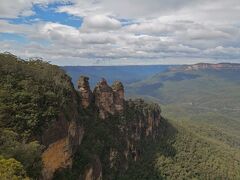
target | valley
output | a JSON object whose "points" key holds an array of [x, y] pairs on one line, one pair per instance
{"points": [[119, 90], [203, 102], [171, 125]]}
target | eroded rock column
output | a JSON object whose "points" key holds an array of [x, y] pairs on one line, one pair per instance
{"points": [[104, 99], [85, 91], [118, 90]]}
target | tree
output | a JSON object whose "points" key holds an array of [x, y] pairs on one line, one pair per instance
{"points": [[29, 154], [12, 169]]}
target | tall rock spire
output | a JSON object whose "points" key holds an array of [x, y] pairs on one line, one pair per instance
{"points": [[109, 100], [118, 90], [104, 99], [85, 91]]}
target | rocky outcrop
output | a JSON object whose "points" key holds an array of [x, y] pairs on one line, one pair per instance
{"points": [[59, 154], [56, 156], [85, 91], [104, 99], [109, 100], [140, 121], [118, 93], [67, 125], [61, 139], [145, 124]]}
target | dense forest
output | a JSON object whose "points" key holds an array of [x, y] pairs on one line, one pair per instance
{"points": [[32, 93]]}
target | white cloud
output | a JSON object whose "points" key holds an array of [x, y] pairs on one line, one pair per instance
{"points": [[160, 32], [12, 9], [100, 23], [128, 8], [16, 8]]}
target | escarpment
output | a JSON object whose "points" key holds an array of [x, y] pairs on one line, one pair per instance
{"points": [[207, 66], [42, 111], [142, 123], [76, 134], [62, 138], [118, 126]]}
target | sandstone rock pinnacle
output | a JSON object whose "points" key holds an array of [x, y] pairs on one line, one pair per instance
{"points": [[85, 91], [109, 100]]}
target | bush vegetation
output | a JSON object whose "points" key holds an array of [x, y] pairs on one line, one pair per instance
{"points": [[32, 93]]}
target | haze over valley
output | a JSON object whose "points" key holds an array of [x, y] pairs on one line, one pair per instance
{"points": [[119, 90]]}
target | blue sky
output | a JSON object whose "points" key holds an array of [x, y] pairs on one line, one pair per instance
{"points": [[108, 32], [48, 14]]}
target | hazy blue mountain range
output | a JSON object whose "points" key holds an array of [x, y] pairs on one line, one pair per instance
{"points": [[51, 130], [125, 74], [202, 100], [203, 93], [207, 97]]}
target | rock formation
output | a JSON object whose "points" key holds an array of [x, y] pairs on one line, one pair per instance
{"points": [[118, 92], [75, 142], [61, 138], [59, 154], [145, 124], [141, 122], [104, 99], [85, 91], [109, 100]]}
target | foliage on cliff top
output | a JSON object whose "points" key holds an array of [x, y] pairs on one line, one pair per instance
{"points": [[32, 93], [117, 85]]}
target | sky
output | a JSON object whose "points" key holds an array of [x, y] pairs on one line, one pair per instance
{"points": [[125, 32]]}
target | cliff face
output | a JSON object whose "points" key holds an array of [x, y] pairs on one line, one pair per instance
{"points": [[105, 148], [61, 139], [205, 66], [144, 125], [127, 124], [59, 154], [84, 134]]}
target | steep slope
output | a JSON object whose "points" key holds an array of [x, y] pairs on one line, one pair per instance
{"points": [[57, 132], [185, 155], [38, 105], [195, 93], [205, 98], [114, 134], [51, 131]]}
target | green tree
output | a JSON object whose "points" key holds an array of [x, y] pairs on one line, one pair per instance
{"points": [[11, 169], [29, 154]]}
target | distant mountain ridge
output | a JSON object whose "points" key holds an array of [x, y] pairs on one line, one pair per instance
{"points": [[203, 66], [63, 133], [51, 131], [125, 74]]}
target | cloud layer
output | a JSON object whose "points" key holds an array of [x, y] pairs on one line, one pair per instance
{"points": [[125, 32]]}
